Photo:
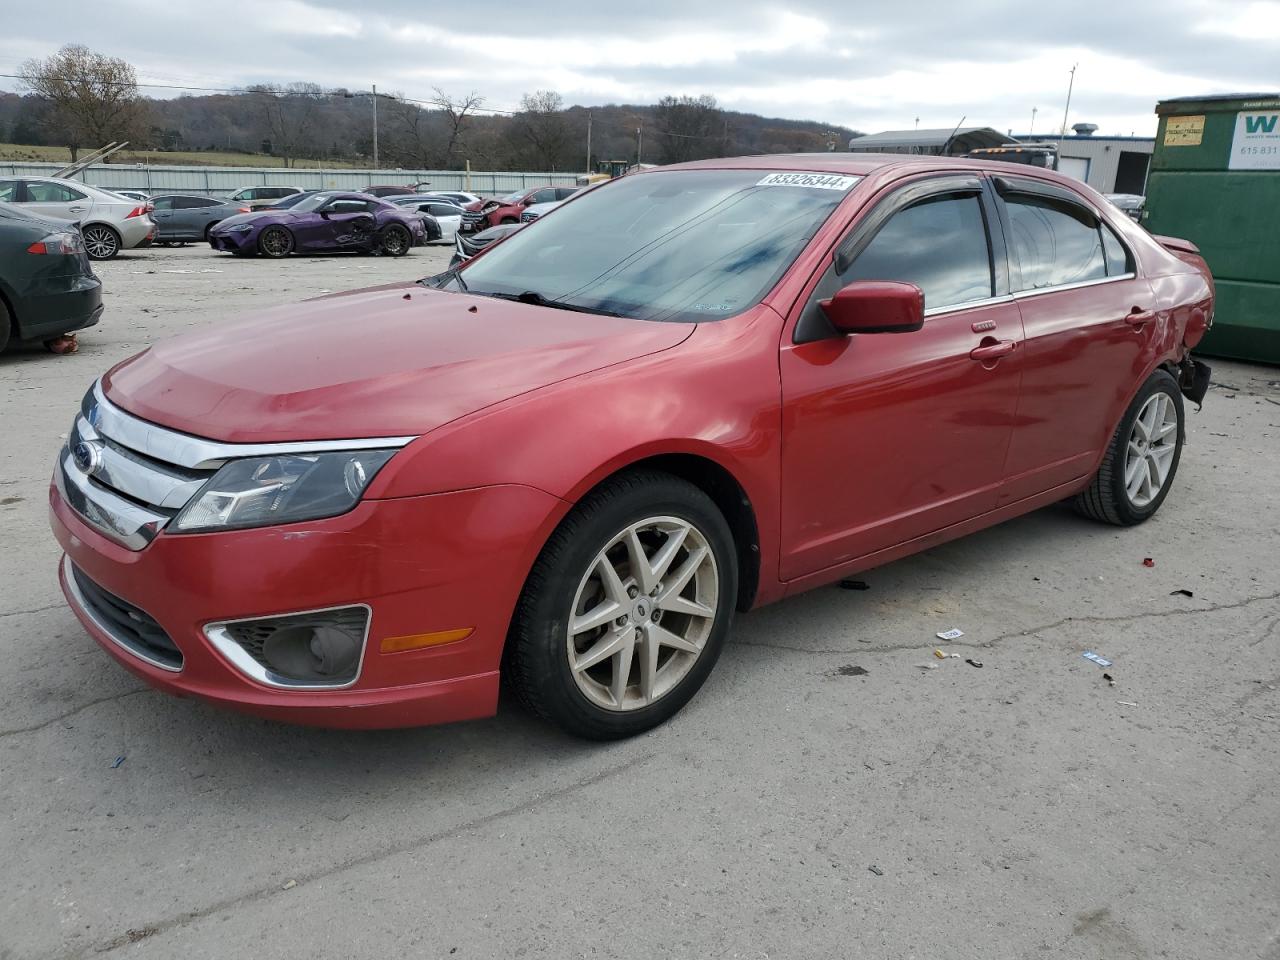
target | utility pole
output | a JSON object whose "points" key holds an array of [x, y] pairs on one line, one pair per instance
{"points": [[588, 141], [1032, 131], [1070, 84], [375, 126], [639, 144]]}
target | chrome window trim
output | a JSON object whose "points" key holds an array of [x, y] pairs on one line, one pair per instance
{"points": [[1036, 291], [195, 453], [113, 516], [84, 607], [968, 305], [236, 655]]}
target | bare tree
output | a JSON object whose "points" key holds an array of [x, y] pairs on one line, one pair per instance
{"points": [[541, 123], [94, 97], [458, 112], [288, 113], [689, 128]]}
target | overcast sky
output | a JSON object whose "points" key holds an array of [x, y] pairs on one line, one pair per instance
{"points": [[873, 66]]}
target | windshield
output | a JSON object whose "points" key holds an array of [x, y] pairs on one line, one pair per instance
{"points": [[511, 198], [684, 245]]}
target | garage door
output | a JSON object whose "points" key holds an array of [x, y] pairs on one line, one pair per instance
{"points": [[1077, 167]]}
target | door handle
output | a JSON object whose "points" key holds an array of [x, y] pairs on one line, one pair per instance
{"points": [[1137, 317], [76, 209], [993, 351]]}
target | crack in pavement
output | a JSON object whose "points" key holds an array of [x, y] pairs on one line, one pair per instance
{"points": [[1029, 631], [71, 713], [133, 936], [18, 613]]}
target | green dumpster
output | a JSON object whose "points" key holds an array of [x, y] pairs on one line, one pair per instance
{"points": [[1215, 180]]}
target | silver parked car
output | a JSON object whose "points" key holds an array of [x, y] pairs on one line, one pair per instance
{"points": [[257, 198], [181, 218], [130, 194], [108, 222]]}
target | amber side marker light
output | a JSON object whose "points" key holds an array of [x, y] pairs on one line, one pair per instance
{"points": [[417, 641]]}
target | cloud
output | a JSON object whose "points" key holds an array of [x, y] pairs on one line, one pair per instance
{"points": [[866, 65]]}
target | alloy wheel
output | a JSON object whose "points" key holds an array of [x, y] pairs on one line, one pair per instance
{"points": [[100, 242], [275, 242], [643, 613], [1149, 453], [395, 242]]}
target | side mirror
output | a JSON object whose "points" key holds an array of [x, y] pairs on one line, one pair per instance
{"points": [[876, 306]]}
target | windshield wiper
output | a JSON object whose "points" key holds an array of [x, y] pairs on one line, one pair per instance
{"points": [[538, 300], [440, 279]]}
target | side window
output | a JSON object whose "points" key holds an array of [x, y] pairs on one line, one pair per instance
{"points": [[939, 244], [443, 210], [163, 203], [348, 206], [41, 191], [543, 196], [564, 193], [1053, 243], [1116, 254], [8, 191]]}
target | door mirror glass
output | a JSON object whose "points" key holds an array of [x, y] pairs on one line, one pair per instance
{"points": [[876, 306]]}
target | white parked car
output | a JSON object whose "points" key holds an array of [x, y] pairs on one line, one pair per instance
{"points": [[448, 215], [539, 209], [128, 194], [108, 222], [457, 197]]}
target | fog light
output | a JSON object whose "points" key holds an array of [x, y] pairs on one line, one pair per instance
{"points": [[321, 648]]}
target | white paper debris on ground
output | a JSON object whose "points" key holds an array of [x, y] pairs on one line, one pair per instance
{"points": [[952, 634]]}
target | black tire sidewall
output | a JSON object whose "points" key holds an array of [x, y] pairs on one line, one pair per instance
{"points": [[542, 629], [6, 325], [1159, 382], [407, 240]]}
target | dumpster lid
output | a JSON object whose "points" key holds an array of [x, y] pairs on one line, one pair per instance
{"points": [[1177, 105]]}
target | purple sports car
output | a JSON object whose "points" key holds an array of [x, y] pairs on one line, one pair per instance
{"points": [[328, 220]]}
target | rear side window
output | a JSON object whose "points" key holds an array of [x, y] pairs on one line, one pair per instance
{"points": [[443, 210], [564, 193], [939, 244], [543, 196], [39, 191], [1054, 243], [8, 191], [193, 203]]}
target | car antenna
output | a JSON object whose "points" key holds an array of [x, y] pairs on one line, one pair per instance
{"points": [[946, 146]]}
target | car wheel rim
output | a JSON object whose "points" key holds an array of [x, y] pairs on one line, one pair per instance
{"points": [[1153, 441], [642, 614], [275, 242], [393, 242], [99, 243]]}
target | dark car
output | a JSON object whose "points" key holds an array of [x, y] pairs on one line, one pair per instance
{"points": [[47, 285], [324, 221], [467, 247], [389, 190], [181, 218]]}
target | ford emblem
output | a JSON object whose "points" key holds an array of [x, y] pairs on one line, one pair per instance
{"points": [[87, 455]]}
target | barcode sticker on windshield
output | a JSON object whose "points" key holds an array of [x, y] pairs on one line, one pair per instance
{"points": [[819, 181]]}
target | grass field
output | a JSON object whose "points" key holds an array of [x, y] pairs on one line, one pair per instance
{"points": [[23, 152]]}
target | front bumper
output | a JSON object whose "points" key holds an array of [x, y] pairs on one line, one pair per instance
{"points": [[233, 242], [421, 564]]}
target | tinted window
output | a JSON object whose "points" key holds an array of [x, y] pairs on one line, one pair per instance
{"points": [[41, 191], [1114, 251], [563, 193], [939, 244], [193, 203], [347, 206], [164, 203], [543, 196], [1053, 243], [8, 191], [443, 210]]}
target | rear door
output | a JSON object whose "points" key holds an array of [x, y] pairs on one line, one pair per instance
{"points": [[196, 214], [1088, 321], [888, 437], [57, 200]]}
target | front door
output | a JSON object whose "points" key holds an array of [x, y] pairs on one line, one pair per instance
{"points": [[163, 215], [888, 437]]}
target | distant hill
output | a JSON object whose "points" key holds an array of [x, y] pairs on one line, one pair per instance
{"points": [[329, 128]]}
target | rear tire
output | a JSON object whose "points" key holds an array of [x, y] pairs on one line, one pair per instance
{"points": [[1142, 458], [6, 325], [395, 240], [667, 638], [101, 242], [275, 242]]}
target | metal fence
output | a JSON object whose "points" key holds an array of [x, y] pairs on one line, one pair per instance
{"points": [[220, 181]]}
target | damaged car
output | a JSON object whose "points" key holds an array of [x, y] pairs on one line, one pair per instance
{"points": [[572, 461], [323, 222]]}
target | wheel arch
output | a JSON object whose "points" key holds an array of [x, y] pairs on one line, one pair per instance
{"points": [[717, 482]]}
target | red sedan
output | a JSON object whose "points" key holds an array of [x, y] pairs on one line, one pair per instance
{"points": [[693, 391]]}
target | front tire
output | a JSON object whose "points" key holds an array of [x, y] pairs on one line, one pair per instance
{"points": [[275, 242], [1141, 459], [627, 608], [101, 242], [395, 241]]}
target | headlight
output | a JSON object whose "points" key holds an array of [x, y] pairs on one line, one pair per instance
{"points": [[268, 490], [240, 228]]}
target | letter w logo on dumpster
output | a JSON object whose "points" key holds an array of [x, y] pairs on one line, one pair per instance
{"points": [[1260, 124]]}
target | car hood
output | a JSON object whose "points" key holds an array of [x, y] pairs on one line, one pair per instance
{"points": [[386, 362]]}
